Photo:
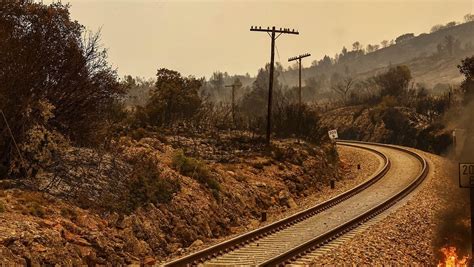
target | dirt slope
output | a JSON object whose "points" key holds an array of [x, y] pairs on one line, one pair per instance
{"points": [[52, 228]]}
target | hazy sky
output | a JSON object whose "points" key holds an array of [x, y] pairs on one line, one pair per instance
{"points": [[199, 37]]}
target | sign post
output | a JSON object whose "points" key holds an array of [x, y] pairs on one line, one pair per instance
{"points": [[333, 135], [466, 180]]}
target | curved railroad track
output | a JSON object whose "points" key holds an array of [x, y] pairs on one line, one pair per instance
{"points": [[284, 241]]}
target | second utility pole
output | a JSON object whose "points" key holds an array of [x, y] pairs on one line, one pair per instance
{"points": [[300, 106], [299, 63], [273, 32], [235, 85]]}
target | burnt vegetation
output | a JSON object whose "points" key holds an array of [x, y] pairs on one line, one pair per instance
{"points": [[58, 94], [71, 128]]}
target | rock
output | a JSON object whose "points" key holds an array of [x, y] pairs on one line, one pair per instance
{"points": [[85, 251], [234, 230], [253, 224], [82, 242], [173, 247], [283, 197], [197, 243], [149, 261], [70, 237], [88, 222], [291, 203], [38, 248]]}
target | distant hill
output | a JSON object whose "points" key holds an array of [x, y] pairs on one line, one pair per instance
{"points": [[430, 61]]}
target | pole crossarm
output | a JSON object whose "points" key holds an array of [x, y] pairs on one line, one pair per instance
{"points": [[299, 57], [273, 29]]}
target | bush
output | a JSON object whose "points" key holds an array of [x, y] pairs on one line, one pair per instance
{"points": [[138, 134], [395, 81], [2, 207], [147, 185], [174, 99], [467, 86], [68, 213], [278, 153], [388, 102], [35, 209], [195, 169], [291, 120]]}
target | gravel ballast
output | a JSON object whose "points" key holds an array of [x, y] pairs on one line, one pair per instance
{"points": [[406, 236]]}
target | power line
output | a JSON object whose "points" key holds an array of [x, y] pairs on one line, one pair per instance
{"points": [[273, 37], [279, 59]]}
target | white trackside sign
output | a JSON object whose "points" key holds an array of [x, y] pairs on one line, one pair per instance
{"points": [[333, 134]]}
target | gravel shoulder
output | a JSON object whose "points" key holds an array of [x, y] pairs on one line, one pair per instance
{"points": [[407, 235]]}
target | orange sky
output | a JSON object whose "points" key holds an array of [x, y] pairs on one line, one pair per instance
{"points": [[198, 37]]}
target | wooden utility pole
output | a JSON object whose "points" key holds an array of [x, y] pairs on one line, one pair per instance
{"points": [[272, 33], [234, 86], [299, 63], [300, 107]]}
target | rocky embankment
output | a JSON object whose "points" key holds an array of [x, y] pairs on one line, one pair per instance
{"points": [[394, 125], [73, 220]]}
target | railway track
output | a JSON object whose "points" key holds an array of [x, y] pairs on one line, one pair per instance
{"points": [[286, 241]]}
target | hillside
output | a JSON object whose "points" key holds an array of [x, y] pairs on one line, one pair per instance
{"points": [[81, 220], [420, 53], [395, 125]]}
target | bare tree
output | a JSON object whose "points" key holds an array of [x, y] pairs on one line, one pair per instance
{"points": [[343, 88]]}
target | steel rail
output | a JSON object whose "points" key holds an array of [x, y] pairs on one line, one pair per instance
{"points": [[303, 249], [252, 236]]}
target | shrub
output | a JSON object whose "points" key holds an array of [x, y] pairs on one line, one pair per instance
{"points": [[175, 98], [258, 165], [138, 134], [147, 185], [291, 120], [395, 81], [278, 153], [394, 119], [388, 102], [467, 86], [35, 209], [195, 169], [2, 207], [68, 213]]}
